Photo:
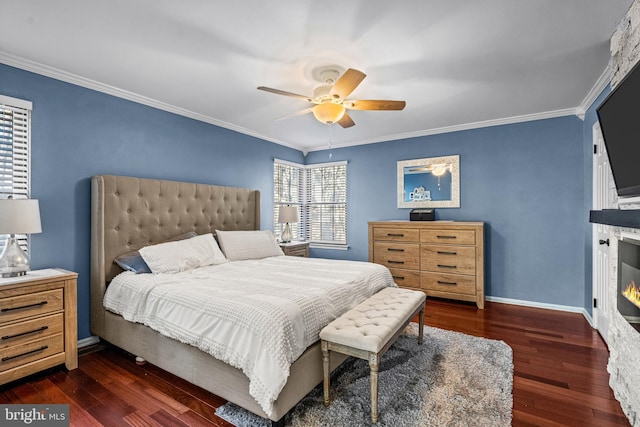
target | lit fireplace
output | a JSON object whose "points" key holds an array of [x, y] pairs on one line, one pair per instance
{"points": [[632, 293], [628, 275]]}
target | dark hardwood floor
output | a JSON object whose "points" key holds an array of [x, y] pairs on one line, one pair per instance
{"points": [[560, 376]]}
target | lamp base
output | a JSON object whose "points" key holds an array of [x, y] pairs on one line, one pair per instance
{"points": [[286, 235], [13, 261]]}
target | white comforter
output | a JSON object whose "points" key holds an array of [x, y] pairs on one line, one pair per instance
{"points": [[257, 315]]}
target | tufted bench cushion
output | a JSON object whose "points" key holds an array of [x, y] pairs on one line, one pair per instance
{"points": [[369, 329], [372, 323]]}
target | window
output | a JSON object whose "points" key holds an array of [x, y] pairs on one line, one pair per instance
{"points": [[320, 193], [15, 138]]}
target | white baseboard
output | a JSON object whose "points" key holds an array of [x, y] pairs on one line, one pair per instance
{"points": [[557, 307], [86, 342]]}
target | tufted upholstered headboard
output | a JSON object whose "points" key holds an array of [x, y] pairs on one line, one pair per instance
{"points": [[128, 213]]}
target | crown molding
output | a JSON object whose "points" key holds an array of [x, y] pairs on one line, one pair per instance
{"points": [[38, 68], [55, 73], [461, 127], [596, 90]]}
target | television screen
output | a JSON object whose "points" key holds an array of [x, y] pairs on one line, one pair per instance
{"points": [[619, 116]]}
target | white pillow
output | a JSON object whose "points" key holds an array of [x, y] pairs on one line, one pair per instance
{"points": [[172, 257], [239, 245]]}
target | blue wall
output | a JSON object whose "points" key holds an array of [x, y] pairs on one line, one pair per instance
{"points": [[530, 183], [78, 133], [525, 181]]}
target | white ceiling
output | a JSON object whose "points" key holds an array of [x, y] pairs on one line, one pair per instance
{"points": [[458, 64]]}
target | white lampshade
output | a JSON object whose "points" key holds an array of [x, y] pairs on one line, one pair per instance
{"points": [[287, 214], [19, 216]]}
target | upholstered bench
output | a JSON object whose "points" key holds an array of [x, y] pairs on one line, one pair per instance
{"points": [[368, 330]]}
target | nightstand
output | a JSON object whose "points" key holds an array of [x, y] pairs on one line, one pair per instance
{"points": [[38, 323], [300, 249]]}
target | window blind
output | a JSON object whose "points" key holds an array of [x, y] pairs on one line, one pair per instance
{"points": [[327, 204], [320, 193], [15, 135], [288, 190]]}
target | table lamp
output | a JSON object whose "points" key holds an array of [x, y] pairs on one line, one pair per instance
{"points": [[287, 214], [17, 216]]}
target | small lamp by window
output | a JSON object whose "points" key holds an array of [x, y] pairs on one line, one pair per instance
{"points": [[17, 216], [286, 215]]}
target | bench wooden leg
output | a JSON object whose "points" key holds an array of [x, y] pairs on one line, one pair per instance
{"points": [[325, 371], [373, 378], [421, 326]]}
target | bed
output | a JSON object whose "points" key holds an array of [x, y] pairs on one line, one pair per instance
{"points": [[129, 213]]}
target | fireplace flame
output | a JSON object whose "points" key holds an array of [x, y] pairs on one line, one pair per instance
{"points": [[632, 293]]}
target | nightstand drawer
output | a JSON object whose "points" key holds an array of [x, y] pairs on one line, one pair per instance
{"points": [[28, 305], [29, 330], [25, 353]]}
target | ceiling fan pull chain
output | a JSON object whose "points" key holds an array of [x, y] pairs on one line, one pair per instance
{"points": [[330, 152]]}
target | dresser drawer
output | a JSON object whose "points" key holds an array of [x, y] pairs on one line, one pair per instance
{"points": [[397, 255], [406, 278], [28, 305], [396, 235], [453, 283], [448, 259], [39, 349], [29, 330], [453, 237]]}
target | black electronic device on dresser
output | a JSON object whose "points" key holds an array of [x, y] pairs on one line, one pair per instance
{"points": [[422, 215]]}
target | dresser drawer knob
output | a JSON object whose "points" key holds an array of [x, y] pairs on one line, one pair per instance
{"points": [[446, 237], [395, 235], [440, 282], [4, 310], [395, 250], [395, 262], [447, 253], [8, 337], [44, 347], [398, 277], [447, 266]]}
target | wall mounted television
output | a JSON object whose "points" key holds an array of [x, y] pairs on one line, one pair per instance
{"points": [[619, 116]]}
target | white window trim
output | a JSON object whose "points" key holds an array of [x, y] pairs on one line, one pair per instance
{"points": [[316, 244]]}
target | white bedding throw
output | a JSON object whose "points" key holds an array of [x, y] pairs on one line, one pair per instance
{"points": [[256, 315]]}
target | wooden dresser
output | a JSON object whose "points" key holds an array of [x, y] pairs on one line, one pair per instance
{"points": [[441, 258], [38, 323]]}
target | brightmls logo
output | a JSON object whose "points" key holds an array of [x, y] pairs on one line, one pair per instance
{"points": [[35, 415]]}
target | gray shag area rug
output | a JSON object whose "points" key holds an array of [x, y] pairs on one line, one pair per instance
{"points": [[452, 379]]}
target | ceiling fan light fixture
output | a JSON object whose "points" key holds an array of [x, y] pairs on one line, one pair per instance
{"points": [[439, 169], [328, 112]]}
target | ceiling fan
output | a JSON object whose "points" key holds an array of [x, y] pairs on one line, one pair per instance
{"points": [[330, 98]]}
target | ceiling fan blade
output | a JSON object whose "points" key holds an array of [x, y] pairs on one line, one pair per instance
{"points": [[372, 104], [285, 93], [347, 83], [297, 113], [346, 121]]}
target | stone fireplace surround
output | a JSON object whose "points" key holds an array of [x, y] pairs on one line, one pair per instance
{"points": [[623, 340]]}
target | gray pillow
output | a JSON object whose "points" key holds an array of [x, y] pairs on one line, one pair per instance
{"points": [[132, 261]]}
